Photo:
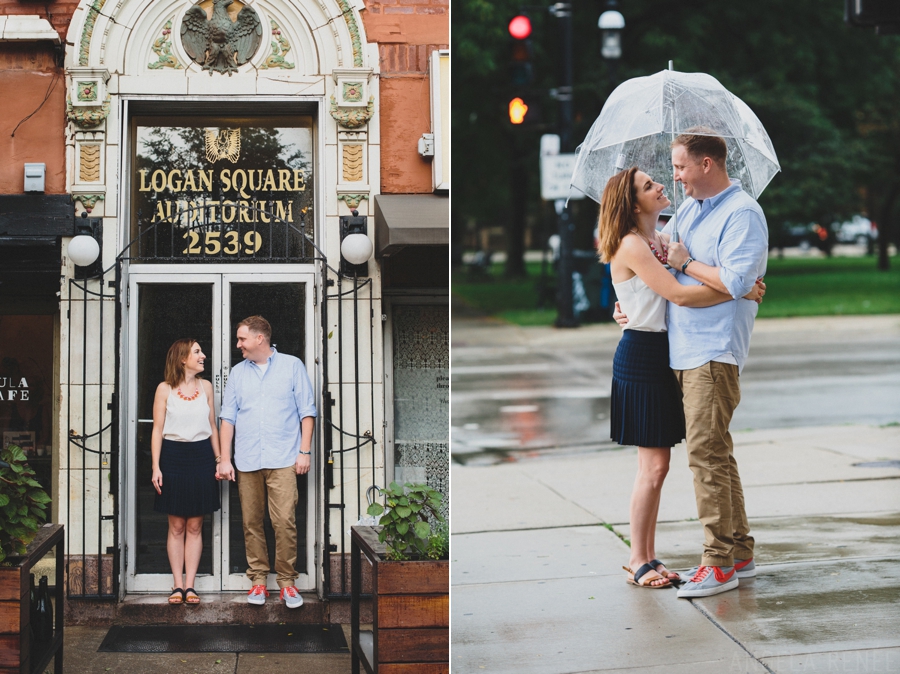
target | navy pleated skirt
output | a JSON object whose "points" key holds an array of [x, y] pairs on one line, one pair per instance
{"points": [[645, 407], [189, 485]]}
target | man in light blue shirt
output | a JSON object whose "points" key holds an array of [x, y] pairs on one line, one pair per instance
{"points": [[269, 409], [725, 231]]}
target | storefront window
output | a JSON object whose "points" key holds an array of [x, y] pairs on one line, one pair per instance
{"points": [[222, 190], [421, 396], [26, 390]]}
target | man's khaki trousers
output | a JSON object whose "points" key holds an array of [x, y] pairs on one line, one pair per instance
{"points": [[711, 394], [280, 487]]}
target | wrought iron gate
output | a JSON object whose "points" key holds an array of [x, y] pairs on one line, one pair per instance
{"points": [[92, 328]]}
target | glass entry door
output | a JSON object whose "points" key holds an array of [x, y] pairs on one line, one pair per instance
{"points": [[164, 307]]}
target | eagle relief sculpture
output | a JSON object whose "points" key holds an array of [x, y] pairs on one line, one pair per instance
{"points": [[218, 43]]}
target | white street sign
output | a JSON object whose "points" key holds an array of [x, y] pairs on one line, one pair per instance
{"points": [[556, 176]]}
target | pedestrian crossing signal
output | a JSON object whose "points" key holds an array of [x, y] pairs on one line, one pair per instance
{"points": [[517, 110]]}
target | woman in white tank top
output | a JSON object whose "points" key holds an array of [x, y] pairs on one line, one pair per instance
{"points": [[185, 449], [645, 405]]}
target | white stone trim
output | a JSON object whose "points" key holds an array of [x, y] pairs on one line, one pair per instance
{"points": [[26, 27]]}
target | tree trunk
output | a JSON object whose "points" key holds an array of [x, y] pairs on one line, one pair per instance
{"points": [[885, 226]]}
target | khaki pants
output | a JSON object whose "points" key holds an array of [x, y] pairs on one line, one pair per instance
{"points": [[280, 487], [711, 394]]}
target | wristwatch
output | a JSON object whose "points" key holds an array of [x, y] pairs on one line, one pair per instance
{"points": [[307, 453], [686, 263]]}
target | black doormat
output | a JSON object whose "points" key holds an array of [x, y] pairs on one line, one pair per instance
{"points": [[224, 639]]}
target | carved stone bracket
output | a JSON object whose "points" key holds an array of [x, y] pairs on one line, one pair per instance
{"points": [[87, 118], [89, 200], [352, 200], [352, 118]]}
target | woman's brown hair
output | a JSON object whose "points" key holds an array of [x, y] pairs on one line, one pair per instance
{"points": [[616, 213], [178, 353]]}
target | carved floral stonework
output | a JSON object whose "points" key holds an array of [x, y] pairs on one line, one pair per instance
{"points": [[280, 48], [86, 91], [93, 11], [89, 200], [352, 200], [87, 118], [217, 42], [355, 39], [162, 47], [353, 163], [89, 164], [353, 92], [352, 118]]}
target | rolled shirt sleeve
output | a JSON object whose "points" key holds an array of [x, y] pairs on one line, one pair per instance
{"points": [[303, 392], [743, 247], [229, 409]]}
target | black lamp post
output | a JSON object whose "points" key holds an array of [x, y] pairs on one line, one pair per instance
{"points": [[565, 313], [611, 24]]}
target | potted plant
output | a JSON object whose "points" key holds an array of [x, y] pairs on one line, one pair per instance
{"points": [[409, 554], [405, 525], [23, 503]]}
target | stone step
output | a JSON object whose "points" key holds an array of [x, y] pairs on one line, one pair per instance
{"points": [[227, 608]]}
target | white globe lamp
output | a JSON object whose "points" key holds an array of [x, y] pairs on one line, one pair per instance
{"points": [[356, 248], [84, 250]]}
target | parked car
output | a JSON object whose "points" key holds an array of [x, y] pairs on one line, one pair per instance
{"points": [[804, 236], [859, 229]]}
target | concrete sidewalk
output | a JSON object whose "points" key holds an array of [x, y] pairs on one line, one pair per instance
{"points": [[538, 544]]}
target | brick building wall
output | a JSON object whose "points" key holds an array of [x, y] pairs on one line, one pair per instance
{"points": [[32, 127], [407, 31]]}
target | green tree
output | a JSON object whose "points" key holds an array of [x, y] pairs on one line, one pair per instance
{"points": [[827, 94]]}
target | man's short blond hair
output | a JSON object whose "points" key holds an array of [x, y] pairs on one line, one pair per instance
{"points": [[700, 142], [259, 325]]}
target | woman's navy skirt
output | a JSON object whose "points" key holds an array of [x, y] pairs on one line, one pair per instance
{"points": [[645, 407], [189, 485]]}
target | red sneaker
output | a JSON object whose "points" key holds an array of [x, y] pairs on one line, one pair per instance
{"points": [[291, 597], [257, 595]]}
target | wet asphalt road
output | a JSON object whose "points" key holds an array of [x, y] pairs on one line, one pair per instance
{"points": [[518, 390]]}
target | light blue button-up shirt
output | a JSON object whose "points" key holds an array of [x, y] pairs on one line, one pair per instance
{"points": [[265, 409], [727, 231]]}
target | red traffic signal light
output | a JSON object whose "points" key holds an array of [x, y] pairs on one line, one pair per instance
{"points": [[520, 27]]}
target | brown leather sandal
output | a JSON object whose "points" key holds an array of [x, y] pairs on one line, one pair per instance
{"points": [[645, 576], [673, 576], [177, 596], [191, 597]]}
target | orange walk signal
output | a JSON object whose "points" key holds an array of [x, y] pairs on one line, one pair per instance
{"points": [[517, 110]]}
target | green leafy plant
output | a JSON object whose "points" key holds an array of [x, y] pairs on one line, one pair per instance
{"points": [[23, 503], [439, 542], [405, 519]]}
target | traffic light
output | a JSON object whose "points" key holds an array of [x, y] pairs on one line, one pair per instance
{"points": [[523, 105], [518, 110], [521, 72]]}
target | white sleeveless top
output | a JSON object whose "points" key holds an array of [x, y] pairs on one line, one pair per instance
{"points": [[187, 420], [645, 309]]}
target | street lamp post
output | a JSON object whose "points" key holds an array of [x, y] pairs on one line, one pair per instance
{"points": [[565, 313], [611, 24]]}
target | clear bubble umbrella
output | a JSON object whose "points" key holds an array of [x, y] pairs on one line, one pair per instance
{"points": [[643, 116]]}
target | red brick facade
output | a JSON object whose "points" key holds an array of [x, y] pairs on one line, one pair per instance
{"points": [[59, 13], [407, 31]]}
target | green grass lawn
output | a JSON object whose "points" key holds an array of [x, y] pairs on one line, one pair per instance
{"points": [[796, 287]]}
